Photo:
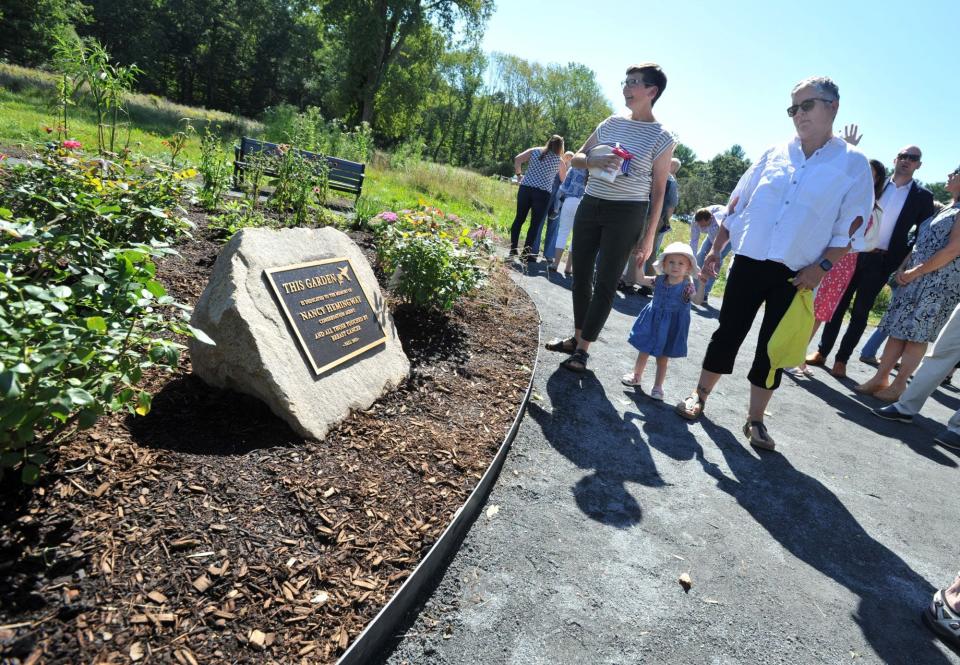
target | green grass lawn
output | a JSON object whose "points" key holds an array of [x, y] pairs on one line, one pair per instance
{"points": [[26, 108]]}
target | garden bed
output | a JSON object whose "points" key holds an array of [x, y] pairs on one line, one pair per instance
{"points": [[208, 531]]}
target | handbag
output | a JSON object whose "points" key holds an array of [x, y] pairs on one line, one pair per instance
{"points": [[871, 236]]}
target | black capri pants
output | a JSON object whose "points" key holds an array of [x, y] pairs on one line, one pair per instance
{"points": [[752, 283]]}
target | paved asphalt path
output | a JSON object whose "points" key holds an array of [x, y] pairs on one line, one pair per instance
{"points": [[824, 552]]}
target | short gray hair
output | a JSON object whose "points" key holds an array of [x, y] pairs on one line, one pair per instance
{"points": [[822, 84]]}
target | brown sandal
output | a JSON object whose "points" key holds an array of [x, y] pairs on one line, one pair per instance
{"points": [[762, 438], [692, 407], [568, 345]]}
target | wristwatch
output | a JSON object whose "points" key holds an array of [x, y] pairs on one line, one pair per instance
{"points": [[825, 265]]}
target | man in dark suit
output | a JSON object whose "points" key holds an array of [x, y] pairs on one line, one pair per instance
{"points": [[904, 204]]}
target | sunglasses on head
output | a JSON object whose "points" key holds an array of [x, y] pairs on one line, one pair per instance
{"points": [[807, 105], [907, 156], [634, 83]]}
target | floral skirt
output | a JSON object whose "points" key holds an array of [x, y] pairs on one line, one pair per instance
{"points": [[832, 286]]}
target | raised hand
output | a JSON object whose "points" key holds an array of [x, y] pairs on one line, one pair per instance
{"points": [[851, 134]]}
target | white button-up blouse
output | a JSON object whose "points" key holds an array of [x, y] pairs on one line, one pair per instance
{"points": [[792, 208]]}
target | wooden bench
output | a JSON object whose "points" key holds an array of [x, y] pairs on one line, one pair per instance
{"points": [[342, 174]]}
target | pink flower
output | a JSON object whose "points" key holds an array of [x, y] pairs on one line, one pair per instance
{"points": [[388, 216], [72, 145]]}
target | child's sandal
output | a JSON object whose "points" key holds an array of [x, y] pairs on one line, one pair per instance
{"points": [[630, 380]]}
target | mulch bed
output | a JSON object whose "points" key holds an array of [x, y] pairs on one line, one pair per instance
{"points": [[208, 531]]}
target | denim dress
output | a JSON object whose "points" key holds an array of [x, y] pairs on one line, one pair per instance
{"points": [[662, 326]]}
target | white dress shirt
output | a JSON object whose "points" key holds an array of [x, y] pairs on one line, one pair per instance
{"points": [[719, 213], [791, 208], [891, 201]]}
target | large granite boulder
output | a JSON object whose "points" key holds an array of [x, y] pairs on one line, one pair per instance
{"points": [[299, 322]]}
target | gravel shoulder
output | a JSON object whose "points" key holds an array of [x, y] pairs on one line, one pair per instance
{"points": [[825, 552]]}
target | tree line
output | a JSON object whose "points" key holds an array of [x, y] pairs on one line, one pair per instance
{"points": [[412, 69]]}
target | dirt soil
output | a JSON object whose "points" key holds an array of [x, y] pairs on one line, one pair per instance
{"points": [[209, 532]]}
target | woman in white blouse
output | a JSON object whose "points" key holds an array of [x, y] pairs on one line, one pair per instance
{"points": [[793, 215]]}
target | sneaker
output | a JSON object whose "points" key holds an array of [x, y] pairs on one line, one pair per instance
{"points": [[890, 412], [657, 393], [948, 439], [873, 362]]}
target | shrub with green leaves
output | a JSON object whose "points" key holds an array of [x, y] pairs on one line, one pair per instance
{"points": [[433, 259], [92, 204], [214, 169], [81, 310]]}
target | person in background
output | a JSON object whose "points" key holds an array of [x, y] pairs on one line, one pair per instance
{"points": [[928, 293], [870, 350], [571, 192], [905, 204], [553, 211], [794, 212], [533, 195], [938, 364], [613, 215], [707, 221]]}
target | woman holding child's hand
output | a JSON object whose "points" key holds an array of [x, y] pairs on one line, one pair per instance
{"points": [[623, 192]]}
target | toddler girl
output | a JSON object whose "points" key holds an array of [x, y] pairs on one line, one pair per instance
{"points": [[662, 326]]}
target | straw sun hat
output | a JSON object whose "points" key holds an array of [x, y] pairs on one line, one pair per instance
{"points": [[677, 248]]}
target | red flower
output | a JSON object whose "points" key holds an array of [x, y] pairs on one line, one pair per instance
{"points": [[72, 145]]}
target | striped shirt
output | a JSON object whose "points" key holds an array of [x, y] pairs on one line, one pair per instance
{"points": [[646, 141], [540, 172]]}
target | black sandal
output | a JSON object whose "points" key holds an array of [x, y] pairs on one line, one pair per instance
{"points": [[568, 345], [576, 362]]}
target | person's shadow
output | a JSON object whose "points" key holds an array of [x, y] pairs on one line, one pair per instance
{"points": [[857, 409], [586, 429], [811, 523]]}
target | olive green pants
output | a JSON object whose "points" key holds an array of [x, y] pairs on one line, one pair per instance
{"points": [[604, 232]]}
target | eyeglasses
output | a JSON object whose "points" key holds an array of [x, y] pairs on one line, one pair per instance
{"points": [[635, 83], [908, 157], [807, 105]]}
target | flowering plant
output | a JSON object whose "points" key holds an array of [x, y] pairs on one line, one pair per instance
{"points": [[433, 258], [72, 145]]}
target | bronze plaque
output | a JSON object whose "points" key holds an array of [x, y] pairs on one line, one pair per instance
{"points": [[328, 311]]}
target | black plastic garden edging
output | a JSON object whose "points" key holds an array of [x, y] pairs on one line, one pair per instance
{"points": [[371, 642]]}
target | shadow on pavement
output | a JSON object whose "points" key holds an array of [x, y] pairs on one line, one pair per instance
{"points": [[858, 410], [586, 429], [810, 522]]}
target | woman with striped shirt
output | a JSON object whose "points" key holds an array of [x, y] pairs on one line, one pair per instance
{"points": [[612, 217], [543, 164]]}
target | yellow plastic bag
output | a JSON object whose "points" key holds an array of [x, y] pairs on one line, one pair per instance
{"points": [[788, 343]]}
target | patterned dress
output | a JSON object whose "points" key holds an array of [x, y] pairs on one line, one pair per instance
{"points": [[662, 326], [920, 309], [835, 282]]}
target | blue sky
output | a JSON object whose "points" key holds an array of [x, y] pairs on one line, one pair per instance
{"points": [[731, 65]]}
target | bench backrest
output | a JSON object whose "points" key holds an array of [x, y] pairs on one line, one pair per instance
{"points": [[342, 174]]}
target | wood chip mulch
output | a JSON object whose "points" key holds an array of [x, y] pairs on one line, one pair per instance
{"points": [[209, 532]]}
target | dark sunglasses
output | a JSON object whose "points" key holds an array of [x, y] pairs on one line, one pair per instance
{"points": [[806, 105], [907, 156]]}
